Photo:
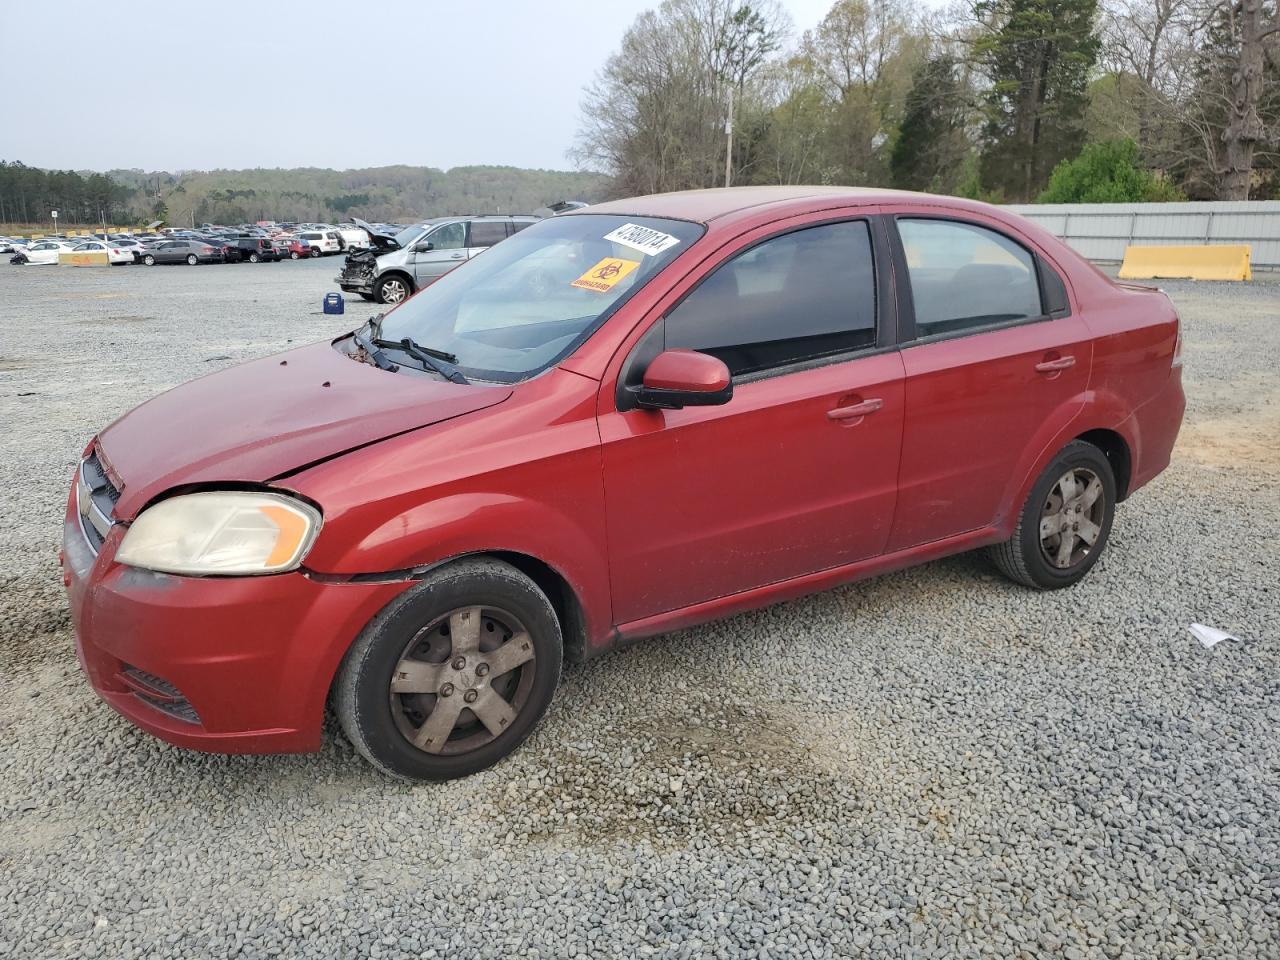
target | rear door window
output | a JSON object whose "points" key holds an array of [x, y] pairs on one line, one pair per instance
{"points": [[795, 297], [964, 276], [485, 233]]}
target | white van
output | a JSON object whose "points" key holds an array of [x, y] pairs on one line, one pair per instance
{"points": [[326, 241], [353, 237]]}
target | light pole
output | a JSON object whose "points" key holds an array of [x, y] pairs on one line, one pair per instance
{"points": [[728, 142]]}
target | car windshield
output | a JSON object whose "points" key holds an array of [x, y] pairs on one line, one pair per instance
{"points": [[527, 301], [409, 234]]}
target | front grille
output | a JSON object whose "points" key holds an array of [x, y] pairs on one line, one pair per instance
{"points": [[96, 498], [159, 693]]}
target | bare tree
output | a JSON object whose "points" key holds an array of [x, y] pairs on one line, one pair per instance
{"points": [[655, 115]]}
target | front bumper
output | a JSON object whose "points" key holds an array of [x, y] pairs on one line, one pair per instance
{"points": [[227, 664]]}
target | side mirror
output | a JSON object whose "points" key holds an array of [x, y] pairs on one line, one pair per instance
{"points": [[683, 378], [424, 246]]}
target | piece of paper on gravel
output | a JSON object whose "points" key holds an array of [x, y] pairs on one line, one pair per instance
{"points": [[1210, 637]]}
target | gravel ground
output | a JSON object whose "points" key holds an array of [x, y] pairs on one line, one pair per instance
{"points": [[934, 763]]}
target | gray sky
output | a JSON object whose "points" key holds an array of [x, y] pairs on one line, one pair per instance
{"points": [[283, 83]]}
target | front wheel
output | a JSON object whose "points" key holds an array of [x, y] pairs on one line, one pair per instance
{"points": [[391, 290], [293, 255], [315, 251], [253, 258], [192, 259], [453, 675], [149, 260], [1065, 522]]}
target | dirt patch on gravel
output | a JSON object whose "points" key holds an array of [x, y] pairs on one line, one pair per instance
{"points": [[732, 775], [1235, 437]]}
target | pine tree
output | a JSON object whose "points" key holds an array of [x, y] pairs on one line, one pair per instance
{"points": [[1038, 57], [930, 150]]}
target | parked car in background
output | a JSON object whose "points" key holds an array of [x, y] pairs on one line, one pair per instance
{"points": [[297, 248], [116, 254], [130, 245], [256, 249], [182, 251], [353, 237], [230, 251], [321, 242], [45, 252], [397, 267]]}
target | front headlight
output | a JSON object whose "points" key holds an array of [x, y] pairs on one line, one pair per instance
{"points": [[230, 532]]}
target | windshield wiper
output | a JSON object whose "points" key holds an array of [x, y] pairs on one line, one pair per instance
{"points": [[441, 361], [370, 347]]}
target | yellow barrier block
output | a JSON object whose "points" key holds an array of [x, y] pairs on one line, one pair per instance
{"points": [[90, 258], [1203, 262]]}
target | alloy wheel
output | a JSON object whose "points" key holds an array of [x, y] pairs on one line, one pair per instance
{"points": [[462, 680], [393, 291], [1072, 518]]}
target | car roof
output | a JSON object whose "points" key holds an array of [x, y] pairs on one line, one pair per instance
{"points": [[703, 206]]}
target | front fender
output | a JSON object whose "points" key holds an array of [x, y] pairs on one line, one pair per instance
{"points": [[462, 524]]}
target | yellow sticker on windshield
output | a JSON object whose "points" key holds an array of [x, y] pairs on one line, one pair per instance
{"points": [[605, 275]]}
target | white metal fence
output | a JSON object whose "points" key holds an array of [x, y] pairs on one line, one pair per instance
{"points": [[1101, 231]]}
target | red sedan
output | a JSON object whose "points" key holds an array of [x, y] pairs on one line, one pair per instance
{"points": [[619, 422]]}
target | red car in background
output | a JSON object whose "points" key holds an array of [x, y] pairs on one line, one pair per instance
{"points": [[619, 422], [296, 248]]}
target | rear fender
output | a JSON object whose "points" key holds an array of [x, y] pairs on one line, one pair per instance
{"points": [[1091, 410]]}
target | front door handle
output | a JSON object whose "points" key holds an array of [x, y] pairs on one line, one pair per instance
{"points": [[457, 256], [856, 411], [1057, 365]]}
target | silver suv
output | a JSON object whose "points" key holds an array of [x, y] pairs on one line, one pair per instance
{"points": [[397, 266]]}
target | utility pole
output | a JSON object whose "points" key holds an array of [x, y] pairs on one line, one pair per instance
{"points": [[728, 142]]}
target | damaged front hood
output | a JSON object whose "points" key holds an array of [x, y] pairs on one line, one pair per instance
{"points": [[260, 420], [382, 242]]}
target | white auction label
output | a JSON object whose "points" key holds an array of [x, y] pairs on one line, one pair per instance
{"points": [[648, 241]]}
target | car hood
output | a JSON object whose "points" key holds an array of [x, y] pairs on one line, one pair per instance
{"points": [[260, 420], [382, 242]]}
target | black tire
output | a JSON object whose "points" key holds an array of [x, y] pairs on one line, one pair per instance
{"points": [[1024, 558], [254, 258], [149, 260], [380, 722], [315, 251], [192, 259], [294, 255], [367, 296], [392, 289]]}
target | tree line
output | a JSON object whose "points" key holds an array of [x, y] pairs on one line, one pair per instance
{"points": [[398, 193], [1005, 100], [29, 195]]}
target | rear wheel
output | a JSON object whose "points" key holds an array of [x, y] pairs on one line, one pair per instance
{"points": [[391, 290], [294, 255], [254, 258], [192, 259], [315, 251], [454, 675], [1065, 522]]}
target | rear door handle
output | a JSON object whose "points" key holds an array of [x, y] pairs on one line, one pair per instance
{"points": [[856, 410], [1055, 366]]}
